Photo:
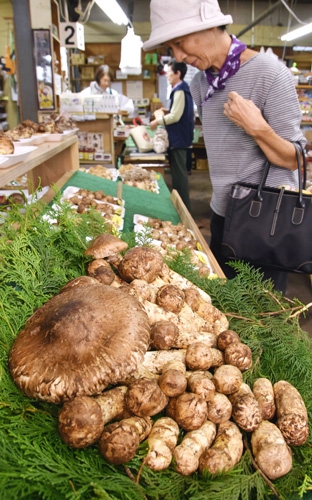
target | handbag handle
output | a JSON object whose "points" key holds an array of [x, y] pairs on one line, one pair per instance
{"points": [[301, 178]]}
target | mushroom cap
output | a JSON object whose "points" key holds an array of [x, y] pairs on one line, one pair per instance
{"points": [[100, 270], [141, 263], [80, 281], [119, 442], [105, 245], [170, 298], [79, 342], [81, 422]]}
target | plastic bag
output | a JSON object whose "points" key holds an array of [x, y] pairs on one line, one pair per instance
{"points": [[160, 140]]}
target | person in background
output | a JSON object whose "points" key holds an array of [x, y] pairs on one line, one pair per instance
{"points": [[179, 122], [241, 98], [102, 83]]}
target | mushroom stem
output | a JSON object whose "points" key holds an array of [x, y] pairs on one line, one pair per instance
{"points": [[82, 420]]}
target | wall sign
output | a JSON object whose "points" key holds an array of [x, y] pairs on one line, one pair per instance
{"points": [[72, 35], [44, 69]]}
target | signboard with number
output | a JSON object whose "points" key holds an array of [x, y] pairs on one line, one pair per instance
{"points": [[72, 35]]}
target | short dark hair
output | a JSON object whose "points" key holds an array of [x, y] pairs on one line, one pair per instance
{"points": [[101, 71], [178, 66]]}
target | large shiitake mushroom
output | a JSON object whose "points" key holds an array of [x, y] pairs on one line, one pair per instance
{"points": [[79, 342]]}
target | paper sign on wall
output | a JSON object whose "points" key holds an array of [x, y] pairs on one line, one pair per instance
{"points": [[134, 89]]}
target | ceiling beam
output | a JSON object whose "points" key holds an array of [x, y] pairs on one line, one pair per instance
{"points": [[262, 16]]}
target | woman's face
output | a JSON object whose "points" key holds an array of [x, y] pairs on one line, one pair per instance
{"points": [[173, 78], [105, 82], [197, 49]]}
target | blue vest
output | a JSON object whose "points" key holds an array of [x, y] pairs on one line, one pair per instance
{"points": [[181, 133]]}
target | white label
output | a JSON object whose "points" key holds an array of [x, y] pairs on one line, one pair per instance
{"points": [[72, 35]]}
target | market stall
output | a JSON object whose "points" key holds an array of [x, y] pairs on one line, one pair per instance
{"points": [[265, 322]]}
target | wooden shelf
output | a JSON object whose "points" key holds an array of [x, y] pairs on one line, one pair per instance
{"points": [[95, 162], [46, 164]]}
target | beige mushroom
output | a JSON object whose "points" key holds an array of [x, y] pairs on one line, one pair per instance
{"points": [[120, 440], [100, 270], [140, 263], [81, 421], [170, 298], [105, 245], [145, 398], [163, 335], [227, 337], [190, 411]]}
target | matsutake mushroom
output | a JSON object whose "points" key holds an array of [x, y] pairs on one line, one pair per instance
{"points": [[105, 245], [140, 263], [79, 342]]}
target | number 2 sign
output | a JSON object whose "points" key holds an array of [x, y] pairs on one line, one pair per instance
{"points": [[72, 35]]}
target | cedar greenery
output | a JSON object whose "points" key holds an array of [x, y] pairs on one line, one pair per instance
{"points": [[37, 258]]}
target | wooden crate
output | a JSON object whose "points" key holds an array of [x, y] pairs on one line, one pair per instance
{"points": [[189, 222]]}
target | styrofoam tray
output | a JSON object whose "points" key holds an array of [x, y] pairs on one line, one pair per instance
{"points": [[154, 186], [34, 140], [55, 137], [62, 136], [3, 161], [20, 154], [113, 171], [71, 131], [72, 190], [140, 220], [23, 142]]}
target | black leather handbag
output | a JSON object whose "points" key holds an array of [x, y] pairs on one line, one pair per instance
{"points": [[269, 226]]}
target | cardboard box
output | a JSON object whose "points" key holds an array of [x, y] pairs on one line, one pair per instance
{"points": [[201, 164], [99, 59], [87, 72], [77, 59]]}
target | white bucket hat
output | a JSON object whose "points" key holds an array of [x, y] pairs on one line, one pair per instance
{"points": [[173, 18]]}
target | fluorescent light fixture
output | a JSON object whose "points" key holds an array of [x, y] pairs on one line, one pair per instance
{"points": [[303, 30], [113, 10], [302, 48]]}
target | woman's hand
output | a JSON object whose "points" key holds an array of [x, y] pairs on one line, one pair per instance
{"points": [[245, 114]]}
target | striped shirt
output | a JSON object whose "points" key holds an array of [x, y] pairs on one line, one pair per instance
{"points": [[233, 155]]}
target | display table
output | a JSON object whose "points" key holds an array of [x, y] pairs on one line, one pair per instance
{"points": [[45, 165], [165, 205], [157, 161]]}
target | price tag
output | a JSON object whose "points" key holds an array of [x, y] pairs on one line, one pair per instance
{"points": [[72, 35]]}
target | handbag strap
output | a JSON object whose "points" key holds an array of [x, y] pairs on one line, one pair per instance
{"points": [[302, 175]]}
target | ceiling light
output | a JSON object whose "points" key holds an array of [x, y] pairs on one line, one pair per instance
{"points": [[302, 48], [303, 30], [113, 10]]}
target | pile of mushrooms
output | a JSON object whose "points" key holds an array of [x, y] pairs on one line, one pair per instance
{"points": [[134, 324]]}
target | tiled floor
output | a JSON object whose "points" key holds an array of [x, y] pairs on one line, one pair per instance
{"points": [[299, 285]]}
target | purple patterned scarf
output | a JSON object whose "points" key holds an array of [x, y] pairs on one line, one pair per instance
{"points": [[229, 68]]}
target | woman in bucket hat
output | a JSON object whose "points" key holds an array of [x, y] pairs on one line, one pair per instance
{"points": [[247, 103]]}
